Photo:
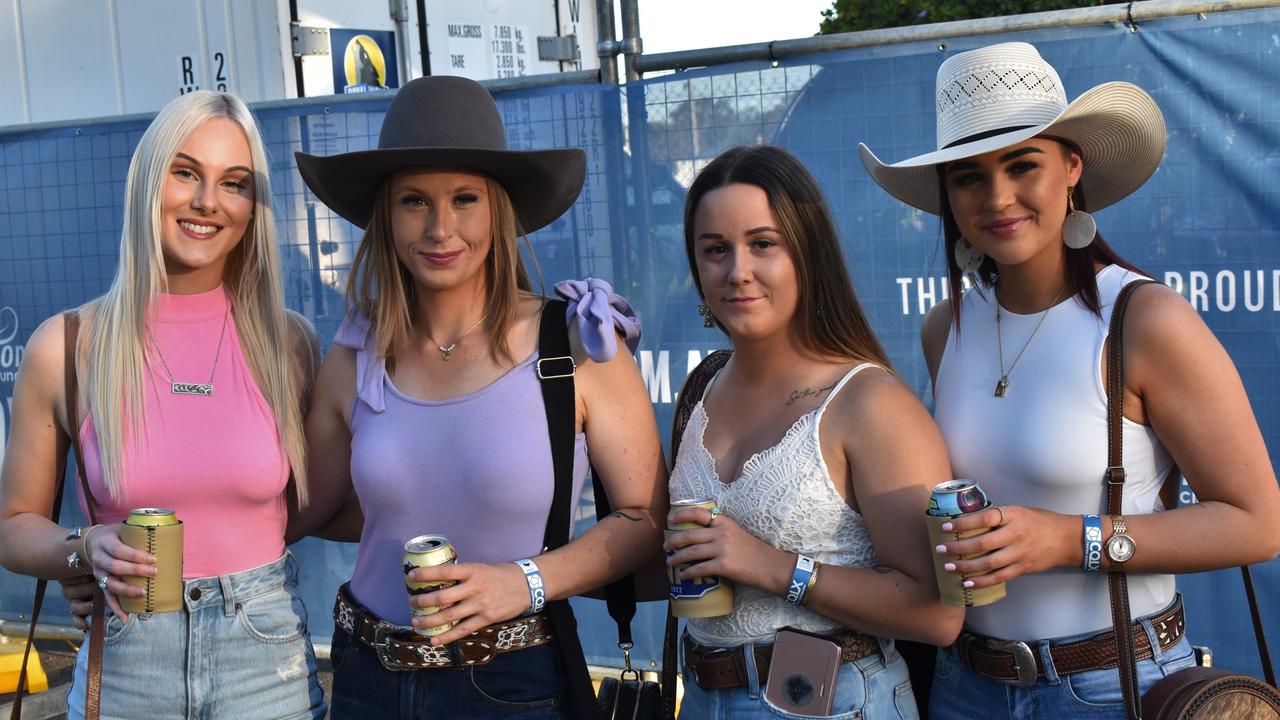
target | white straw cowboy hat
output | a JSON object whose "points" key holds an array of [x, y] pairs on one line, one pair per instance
{"points": [[1001, 95], [447, 122]]}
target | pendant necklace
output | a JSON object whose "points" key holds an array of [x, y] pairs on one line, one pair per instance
{"points": [[1002, 385], [445, 352], [183, 388]]}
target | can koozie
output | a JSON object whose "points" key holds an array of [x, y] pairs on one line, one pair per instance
{"points": [[951, 585], [164, 591]]}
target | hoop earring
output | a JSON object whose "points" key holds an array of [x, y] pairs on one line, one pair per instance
{"points": [[1079, 227], [708, 320], [968, 258]]}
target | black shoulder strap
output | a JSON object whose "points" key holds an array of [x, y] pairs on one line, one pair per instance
{"points": [[555, 368]]}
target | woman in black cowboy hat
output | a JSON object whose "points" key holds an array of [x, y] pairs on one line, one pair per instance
{"points": [[1020, 390], [431, 406]]}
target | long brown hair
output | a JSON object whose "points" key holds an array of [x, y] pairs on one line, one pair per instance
{"points": [[383, 291], [1080, 266], [830, 321]]}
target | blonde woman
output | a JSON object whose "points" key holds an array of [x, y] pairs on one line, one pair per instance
{"points": [[191, 377]]}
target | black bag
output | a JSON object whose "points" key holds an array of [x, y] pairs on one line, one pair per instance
{"points": [[1194, 693], [629, 696]]}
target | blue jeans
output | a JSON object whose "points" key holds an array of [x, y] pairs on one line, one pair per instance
{"points": [[526, 684], [238, 649], [961, 694], [874, 688]]}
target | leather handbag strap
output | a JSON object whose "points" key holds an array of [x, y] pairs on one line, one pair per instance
{"points": [[1264, 653], [694, 388]]}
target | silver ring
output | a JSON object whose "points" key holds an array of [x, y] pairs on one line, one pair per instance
{"points": [[102, 583], [715, 513], [1001, 511]]}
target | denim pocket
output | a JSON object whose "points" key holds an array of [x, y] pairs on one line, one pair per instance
{"points": [[518, 681], [116, 629], [273, 617], [852, 695]]}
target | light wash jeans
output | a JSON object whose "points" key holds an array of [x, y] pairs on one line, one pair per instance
{"points": [[238, 649], [873, 688], [961, 694]]}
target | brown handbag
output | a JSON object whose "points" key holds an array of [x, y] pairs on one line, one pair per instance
{"points": [[93, 683], [1196, 693]]}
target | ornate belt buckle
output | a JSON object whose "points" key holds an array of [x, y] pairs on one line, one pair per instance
{"points": [[381, 645], [1024, 661]]}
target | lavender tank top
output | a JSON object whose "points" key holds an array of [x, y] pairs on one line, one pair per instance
{"points": [[475, 468]]}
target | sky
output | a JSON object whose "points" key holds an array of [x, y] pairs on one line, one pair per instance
{"points": [[668, 25]]}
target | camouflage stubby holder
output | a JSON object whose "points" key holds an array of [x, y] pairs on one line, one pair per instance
{"points": [[158, 532]]}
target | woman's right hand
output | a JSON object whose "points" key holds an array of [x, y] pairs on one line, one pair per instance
{"points": [[723, 547], [111, 558]]}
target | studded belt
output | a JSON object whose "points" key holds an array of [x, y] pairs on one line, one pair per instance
{"points": [[400, 648], [1018, 663]]}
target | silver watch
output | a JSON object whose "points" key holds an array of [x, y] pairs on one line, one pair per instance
{"points": [[1120, 547]]}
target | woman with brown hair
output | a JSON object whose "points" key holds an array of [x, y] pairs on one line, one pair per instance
{"points": [[817, 456], [431, 407]]}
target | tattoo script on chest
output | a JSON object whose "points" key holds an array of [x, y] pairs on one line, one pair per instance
{"points": [[808, 392]]}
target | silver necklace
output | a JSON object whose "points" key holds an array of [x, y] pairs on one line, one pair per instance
{"points": [[1002, 385], [182, 388], [445, 352]]}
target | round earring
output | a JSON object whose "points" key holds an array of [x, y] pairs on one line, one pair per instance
{"points": [[968, 257], [1079, 227], [708, 320]]}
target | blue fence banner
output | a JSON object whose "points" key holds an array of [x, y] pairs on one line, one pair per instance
{"points": [[1207, 224]]}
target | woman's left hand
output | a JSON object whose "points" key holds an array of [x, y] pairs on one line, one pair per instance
{"points": [[722, 547], [484, 594], [1020, 540]]}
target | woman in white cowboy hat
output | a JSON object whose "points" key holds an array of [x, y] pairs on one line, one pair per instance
{"points": [[1019, 384], [431, 405]]}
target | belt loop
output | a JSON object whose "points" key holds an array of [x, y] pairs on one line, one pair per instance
{"points": [[1046, 659], [1157, 653], [888, 651], [753, 675], [228, 595]]}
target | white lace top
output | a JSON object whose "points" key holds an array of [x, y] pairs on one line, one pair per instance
{"points": [[785, 497]]}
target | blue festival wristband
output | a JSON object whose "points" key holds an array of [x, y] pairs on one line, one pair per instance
{"points": [[537, 595], [800, 579], [1092, 544]]}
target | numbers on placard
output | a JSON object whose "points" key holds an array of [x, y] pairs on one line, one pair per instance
{"points": [[220, 74]]}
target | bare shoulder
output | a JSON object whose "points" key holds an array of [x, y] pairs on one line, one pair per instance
{"points": [[933, 334], [1157, 313], [876, 409]]}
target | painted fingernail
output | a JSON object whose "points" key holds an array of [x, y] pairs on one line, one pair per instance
{"points": [[968, 583], [949, 567], [941, 549], [948, 526]]}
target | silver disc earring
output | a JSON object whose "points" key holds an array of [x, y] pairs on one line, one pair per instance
{"points": [[708, 320], [968, 257], [1079, 227]]}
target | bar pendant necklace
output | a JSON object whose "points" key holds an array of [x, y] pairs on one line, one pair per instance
{"points": [[1002, 385], [184, 388]]}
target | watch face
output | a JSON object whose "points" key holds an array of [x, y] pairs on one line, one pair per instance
{"points": [[1120, 548]]}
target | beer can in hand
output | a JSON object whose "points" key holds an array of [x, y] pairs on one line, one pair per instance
{"points": [[428, 551], [948, 501], [709, 596], [159, 532]]}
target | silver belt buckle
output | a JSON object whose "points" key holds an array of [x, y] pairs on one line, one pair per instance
{"points": [[1024, 661], [380, 645]]}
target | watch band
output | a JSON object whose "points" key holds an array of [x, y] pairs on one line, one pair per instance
{"points": [[1120, 546]]}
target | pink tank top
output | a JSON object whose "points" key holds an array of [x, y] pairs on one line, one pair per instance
{"points": [[216, 460]]}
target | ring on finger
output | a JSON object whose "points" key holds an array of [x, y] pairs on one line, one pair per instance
{"points": [[715, 513], [1001, 511], [102, 583]]}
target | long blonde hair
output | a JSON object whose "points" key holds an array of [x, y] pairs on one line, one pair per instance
{"points": [[117, 348], [383, 291]]}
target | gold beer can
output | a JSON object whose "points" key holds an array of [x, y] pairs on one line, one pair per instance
{"points": [[709, 596], [159, 532], [427, 551]]}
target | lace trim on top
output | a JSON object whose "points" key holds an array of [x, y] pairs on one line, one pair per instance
{"points": [[784, 495]]}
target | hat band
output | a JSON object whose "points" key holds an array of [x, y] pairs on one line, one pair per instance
{"points": [[984, 135]]}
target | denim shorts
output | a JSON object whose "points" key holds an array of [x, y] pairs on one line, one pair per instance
{"points": [[874, 688], [525, 684], [238, 649], [962, 694]]}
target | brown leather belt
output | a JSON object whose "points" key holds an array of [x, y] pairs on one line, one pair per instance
{"points": [[399, 648], [715, 668], [1018, 663]]}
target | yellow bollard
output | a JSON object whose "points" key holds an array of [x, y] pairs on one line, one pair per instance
{"points": [[11, 667]]}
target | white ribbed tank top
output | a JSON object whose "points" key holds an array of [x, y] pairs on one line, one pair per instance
{"points": [[1045, 445]]}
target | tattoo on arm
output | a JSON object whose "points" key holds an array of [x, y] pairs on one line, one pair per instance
{"points": [[621, 514], [882, 569], [807, 392]]}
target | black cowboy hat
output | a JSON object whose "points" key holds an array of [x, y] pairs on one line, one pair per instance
{"points": [[446, 121]]}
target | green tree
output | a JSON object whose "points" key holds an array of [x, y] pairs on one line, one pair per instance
{"points": [[852, 15]]}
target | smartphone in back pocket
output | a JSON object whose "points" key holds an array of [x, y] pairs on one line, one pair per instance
{"points": [[802, 673]]}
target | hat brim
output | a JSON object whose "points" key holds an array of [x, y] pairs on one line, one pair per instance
{"points": [[1117, 126], [542, 184]]}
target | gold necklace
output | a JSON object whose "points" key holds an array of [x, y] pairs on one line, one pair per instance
{"points": [[445, 352], [1002, 385]]}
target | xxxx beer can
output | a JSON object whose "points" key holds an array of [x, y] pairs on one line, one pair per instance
{"points": [[708, 596], [159, 532], [948, 501], [427, 551]]}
